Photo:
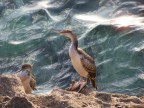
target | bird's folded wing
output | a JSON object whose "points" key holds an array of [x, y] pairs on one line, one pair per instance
{"points": [[87, 62], [33, 84]]}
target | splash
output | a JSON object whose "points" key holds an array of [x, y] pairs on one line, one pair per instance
{"points": [[121, 21], [16, 42], [93, 18], [131, 21]]}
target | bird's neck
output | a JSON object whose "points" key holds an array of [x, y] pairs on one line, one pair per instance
{"points": [[74, 45], [74, 41], [73, 49]]}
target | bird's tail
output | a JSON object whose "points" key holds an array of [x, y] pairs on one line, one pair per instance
{"points": [[93, 82]]}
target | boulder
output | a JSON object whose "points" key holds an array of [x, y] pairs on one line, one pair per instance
{"points": [[10, 85], [19, 102]]}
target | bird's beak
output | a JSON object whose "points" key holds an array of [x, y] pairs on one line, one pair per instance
{"points": [[56, 31], [18, 70]]}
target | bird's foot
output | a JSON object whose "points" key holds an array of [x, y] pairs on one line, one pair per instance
{"points": [[82, 85], [95, 89], [73, 86]]}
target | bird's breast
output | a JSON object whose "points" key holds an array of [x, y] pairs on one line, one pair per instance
{"points": [[76, 62], [23, 75]]}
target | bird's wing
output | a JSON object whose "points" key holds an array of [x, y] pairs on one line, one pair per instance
{"points": [[87, 62], [33, 83]]}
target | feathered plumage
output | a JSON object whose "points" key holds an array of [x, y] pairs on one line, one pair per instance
{"points": [[82, 62], [27, 78]]}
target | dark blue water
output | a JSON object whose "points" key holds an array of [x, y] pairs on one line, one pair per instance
{"points": [[111, 31]]}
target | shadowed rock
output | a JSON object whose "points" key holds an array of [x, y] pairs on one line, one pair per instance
{"points": [[105, 97], [19, 102]]}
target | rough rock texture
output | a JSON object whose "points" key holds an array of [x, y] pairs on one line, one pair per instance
{"points": [[19, 102], [64, 99], [10, 85]]}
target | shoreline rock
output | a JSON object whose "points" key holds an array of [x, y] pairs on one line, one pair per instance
{"points": [[10, 85], [12, 95]]}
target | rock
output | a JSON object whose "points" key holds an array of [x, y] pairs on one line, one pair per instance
{"points": [[10, 85], [63, 99], [6, 98], [105, 97], [19, 102], [12, 96]]}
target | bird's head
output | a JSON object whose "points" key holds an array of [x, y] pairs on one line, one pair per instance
{"points": [[24, 72], [26, 67], [66, 33]]}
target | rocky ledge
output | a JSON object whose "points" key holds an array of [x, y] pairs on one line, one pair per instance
{"points": [[12, 95]]}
